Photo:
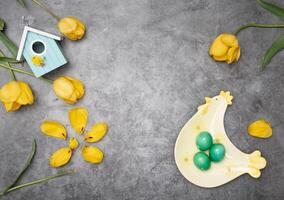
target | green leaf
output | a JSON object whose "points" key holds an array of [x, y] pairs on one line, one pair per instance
{"points": [[11, 71], [277, 46], [9, 60], [9, 44], [28, 163], [273, 8], [2, 24], [22, 2]]}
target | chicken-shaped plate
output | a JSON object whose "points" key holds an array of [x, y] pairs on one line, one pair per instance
{"points": [[210, 118]]}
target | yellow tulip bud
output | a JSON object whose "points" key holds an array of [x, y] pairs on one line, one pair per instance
{"points": [[68, 89], [260, 128], [72, 28], [225, 48], [14, 94]]}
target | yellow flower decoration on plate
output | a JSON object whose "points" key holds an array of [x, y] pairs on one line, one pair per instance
{"points": [[78, 118]]}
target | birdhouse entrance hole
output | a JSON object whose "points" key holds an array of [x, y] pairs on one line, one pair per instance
{"points": [[38, 47]]}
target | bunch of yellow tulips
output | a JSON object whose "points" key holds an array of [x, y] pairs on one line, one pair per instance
{"points": [[15, 94]]}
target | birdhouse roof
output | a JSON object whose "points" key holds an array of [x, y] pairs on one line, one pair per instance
{"points": [[24, 36]]}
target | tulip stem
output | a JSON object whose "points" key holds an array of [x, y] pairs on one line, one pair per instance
{"points": [[63, 173], [258, 26], [44, 7], [13, 76], [24, 72], [11, 71]]}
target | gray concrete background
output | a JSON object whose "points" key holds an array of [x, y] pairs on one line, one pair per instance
{"points": [[146, 69]]}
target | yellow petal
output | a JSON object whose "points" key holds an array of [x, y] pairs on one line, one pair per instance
{"points": [[73, 143], [92, 154], [73, 98], [260, 128], [69, 101], [78, 118], [97, 132], [10, 92], [26, 96], [54, 129], [218, 48], [238, 54], [11, 106], [229, 40], [221, 58], [78, 86], [60, 157], [232, 54], [63, 88], [79, 23]]}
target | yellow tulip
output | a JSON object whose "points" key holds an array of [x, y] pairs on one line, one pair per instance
{"points": [[71, 27], [14, 94], [225, 48], [68, 89], [260, 129]]}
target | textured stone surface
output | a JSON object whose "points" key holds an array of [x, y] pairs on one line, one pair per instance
{"points": [[146, 69]]}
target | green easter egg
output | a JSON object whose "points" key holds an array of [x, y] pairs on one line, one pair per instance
{"points": [[217, 152], [202, 161], [204, 141]]}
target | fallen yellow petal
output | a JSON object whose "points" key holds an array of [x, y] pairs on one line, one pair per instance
{"points": [[63, 88], [73, 143], [78, 118], [60, 157], [92, 154], [97, 132], [260, 128], [54, 129]]}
